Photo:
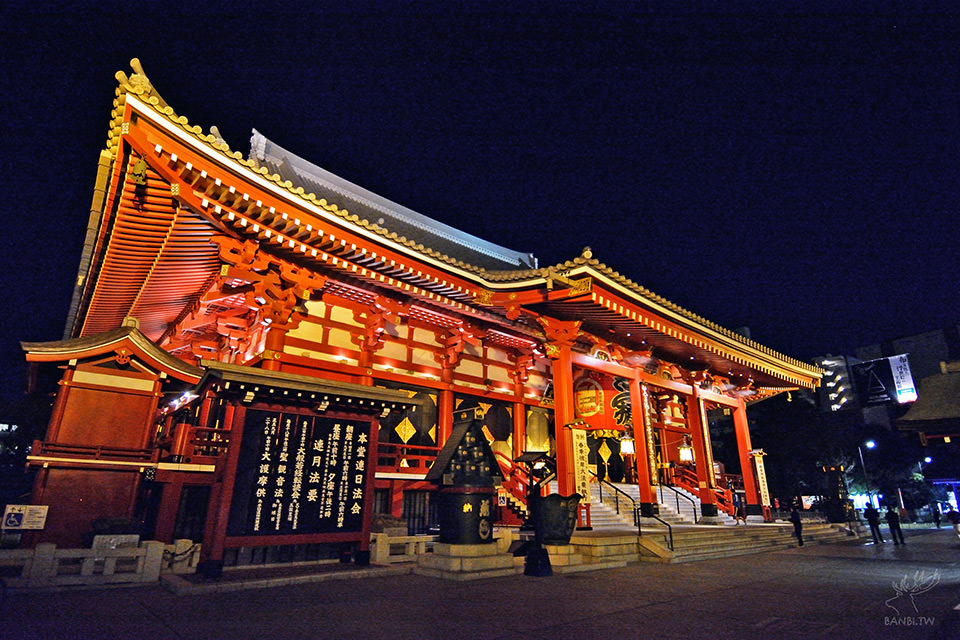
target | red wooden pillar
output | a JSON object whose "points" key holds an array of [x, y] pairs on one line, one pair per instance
{"points": [[642, 441], [452, 345], [560, 336], [273, 348], [445, 415], [520, 376], [519, 429], [221, 494], [742, 430], [167, 512], [703, 451], [563, 415]]}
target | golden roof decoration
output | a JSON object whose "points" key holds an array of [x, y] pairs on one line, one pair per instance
{"points": [[139, 85], [586, 259]]}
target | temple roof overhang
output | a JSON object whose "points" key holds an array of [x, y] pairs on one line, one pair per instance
{"points": [[125, 340], [384, 213], [616, 309], [937, 408], [288, 388], [172, 201]]}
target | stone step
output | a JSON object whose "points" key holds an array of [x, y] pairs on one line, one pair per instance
{"points": [[729, 552], [592, 566]]}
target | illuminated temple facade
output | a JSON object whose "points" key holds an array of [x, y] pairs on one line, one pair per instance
{"points": [[212, 282]]}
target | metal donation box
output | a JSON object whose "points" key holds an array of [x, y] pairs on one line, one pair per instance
{"points": [[467, 473]]}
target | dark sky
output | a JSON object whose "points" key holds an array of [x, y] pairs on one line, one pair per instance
{"points": [[794, 170]]}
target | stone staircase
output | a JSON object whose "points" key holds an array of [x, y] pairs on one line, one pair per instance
{"points": [[684, 510], [614, 535], [704, 543], [611, 510]]}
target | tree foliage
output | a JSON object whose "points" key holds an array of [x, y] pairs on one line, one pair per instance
{"points": [[800, 440]]}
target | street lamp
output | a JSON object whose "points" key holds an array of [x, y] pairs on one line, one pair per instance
{"points": [[869, 444]]}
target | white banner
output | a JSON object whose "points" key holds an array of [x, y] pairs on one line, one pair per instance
{"points": [[762, 481], [581, 464]]}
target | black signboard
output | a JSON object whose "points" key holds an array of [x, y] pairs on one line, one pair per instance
{"points": [[299, 474]]}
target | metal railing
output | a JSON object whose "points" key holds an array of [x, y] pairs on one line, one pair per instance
{"points": [[678, 496], [664, 523], [637, 514], [617, 492]]}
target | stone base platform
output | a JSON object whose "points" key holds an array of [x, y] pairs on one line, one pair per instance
{"points": [[569, 559], [607, 548], [467, 562]]}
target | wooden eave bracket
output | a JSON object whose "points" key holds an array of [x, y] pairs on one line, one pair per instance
{"points": [[572, 287]]}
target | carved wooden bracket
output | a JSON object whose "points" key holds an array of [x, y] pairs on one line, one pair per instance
{"points": [[559, 334], [523, 360], [374, 319], [694, 377], [275, 288], [453, 341]]}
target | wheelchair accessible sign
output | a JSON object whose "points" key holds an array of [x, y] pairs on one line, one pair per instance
{"points": [[21, 517]]}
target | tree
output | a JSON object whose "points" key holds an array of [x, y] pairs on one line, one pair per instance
{"points": [[26, 418]]}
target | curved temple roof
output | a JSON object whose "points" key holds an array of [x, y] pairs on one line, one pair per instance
{"points": [[431, 262], [125, 337], [387, 214]]}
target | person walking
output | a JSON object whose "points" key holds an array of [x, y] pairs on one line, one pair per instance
{"points": [[936, 514], [797, 526], [873, 519], [954, 517], [893, 521], [739, 515]]}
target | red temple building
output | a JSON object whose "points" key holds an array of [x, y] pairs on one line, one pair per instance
{"points": [[260, 299]]}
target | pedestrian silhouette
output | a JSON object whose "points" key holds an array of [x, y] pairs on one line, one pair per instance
{"points": [[873, 519], [797, 526], [893, 520], [954, 517]]}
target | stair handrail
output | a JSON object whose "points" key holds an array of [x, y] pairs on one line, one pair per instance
{"points": [[637, 513], [678, 496], [663, 522], [616, 493]]}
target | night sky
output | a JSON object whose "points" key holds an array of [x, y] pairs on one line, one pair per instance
{"points": [[793, 170]]}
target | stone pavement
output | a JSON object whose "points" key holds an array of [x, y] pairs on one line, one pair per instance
{"points": [[843, 590]]}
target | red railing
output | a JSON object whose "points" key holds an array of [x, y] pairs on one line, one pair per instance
{"points": [[207, 443], [405, 458], [199, 445], [731, 481], [123, 454], [724, 500], [515, 480], [515, 483], [686, 477]]}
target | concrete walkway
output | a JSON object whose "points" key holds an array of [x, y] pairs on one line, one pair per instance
{"points": [[831, 591]]}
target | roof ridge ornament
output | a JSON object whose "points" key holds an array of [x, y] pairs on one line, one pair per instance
{"points": [[138, 83]]}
